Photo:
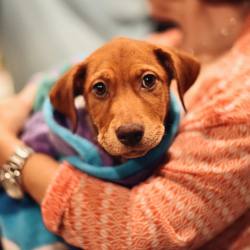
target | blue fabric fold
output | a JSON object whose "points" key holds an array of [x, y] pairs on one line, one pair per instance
{"points": [[89, 160]]}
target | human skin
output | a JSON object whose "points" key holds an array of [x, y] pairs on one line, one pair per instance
{"points": [[14, 111]]}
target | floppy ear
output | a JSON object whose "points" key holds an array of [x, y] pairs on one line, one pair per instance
{"points": [[180, 66], [63, 93]]}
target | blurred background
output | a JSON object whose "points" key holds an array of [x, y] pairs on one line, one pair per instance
{"points": [[37, 35]]}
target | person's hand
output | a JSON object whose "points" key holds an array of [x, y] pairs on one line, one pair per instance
{"points": [[13, 114], [15, 110]]}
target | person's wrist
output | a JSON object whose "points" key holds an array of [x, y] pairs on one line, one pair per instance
{"points": [[11, 172], [8, 145]]}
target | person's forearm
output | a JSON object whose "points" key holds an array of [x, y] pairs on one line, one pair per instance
{"points": [[38, 171], [8, 144], [37, 174]]}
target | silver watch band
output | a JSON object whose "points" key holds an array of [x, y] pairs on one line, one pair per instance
{"points": [[10, 172]]}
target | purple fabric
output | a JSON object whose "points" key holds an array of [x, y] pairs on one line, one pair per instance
{"points": [[37, 135]]}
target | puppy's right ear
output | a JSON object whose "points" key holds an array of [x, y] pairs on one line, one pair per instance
{"points": [[63, 93], [180, 66]]}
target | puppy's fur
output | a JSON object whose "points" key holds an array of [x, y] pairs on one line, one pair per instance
{"points": [[121, 65]]}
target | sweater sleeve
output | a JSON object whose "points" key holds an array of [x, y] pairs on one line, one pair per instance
{"points": [[202, 190]]}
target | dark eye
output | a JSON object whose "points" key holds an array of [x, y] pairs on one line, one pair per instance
{"points": [[100, 89], [148, 81]]}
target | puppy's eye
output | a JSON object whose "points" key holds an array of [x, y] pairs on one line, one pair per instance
{"points": [[100, 89], [148, 81]]}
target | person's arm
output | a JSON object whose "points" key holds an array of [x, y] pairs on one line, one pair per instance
{"points": [[13, 114], [36, 177], [202, 190]]}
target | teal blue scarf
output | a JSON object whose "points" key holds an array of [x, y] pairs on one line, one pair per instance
{"points": [[88, 159]]}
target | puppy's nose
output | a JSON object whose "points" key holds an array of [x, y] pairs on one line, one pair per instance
{"points": [[130, 134]]}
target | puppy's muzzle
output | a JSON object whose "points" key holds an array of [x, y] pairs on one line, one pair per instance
{"points": [[130, 134]]}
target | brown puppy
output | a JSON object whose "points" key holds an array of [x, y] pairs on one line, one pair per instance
{"points": [[125, 84]]}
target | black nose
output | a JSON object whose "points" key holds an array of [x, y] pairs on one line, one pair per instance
{"points": [[130, 134]]}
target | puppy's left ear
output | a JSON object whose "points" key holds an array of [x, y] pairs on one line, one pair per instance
{"points": [[63, 93], [180, 66]]}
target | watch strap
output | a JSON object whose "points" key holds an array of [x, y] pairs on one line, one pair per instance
{"points": [[10, 172]]}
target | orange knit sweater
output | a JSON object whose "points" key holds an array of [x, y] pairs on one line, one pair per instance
{"points": [[203, 188]]}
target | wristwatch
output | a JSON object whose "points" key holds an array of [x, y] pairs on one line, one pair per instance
{"points": [[10, 172]]}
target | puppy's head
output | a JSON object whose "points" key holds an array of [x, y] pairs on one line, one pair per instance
{"points": [[126, 88]]}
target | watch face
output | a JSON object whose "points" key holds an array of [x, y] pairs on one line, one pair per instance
{"points": [[12, 189]]}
